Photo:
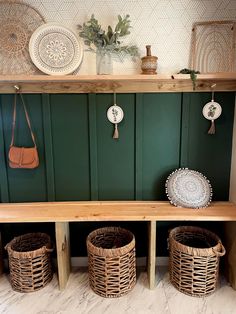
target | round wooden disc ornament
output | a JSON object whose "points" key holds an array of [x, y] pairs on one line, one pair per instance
{"points": [[211, 111], [115, 115]]}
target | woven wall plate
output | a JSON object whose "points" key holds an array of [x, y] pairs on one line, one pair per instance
{"points": [[188, 188], [18, 21], [55, 50]]}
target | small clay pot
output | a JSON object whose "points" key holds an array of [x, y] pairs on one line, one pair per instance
{"points": [[149, 62]]}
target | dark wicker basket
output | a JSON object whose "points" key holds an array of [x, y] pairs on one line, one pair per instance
{"points": [[30, 261], [112, 263], [194, 260]]}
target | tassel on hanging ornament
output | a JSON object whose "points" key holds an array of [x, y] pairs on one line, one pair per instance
{"points": [[116, 132], [212, 129], [115, 115], [211, 111]]}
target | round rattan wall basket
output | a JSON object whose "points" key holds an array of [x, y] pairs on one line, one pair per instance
{"points": [[112, 263], [30, 261], [194, 260], [18, 21]]}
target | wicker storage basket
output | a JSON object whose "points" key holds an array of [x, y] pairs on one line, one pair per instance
{"points": [[30, 261], [112, 263], [194, 260]]}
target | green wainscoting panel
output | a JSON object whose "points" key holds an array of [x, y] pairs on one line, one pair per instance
{"points": [[116, 157], [161, 141], [139, 147], [79, 159], [70, 146], [209, 154], [25, 185], [49, 158], [93, 147]]}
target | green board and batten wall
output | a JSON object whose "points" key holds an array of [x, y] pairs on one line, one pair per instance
{"points": [[79, 159]]}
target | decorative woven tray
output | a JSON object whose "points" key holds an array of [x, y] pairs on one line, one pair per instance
{"points": [[18, 21]]}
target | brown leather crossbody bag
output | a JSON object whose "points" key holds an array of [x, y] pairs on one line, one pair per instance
{"points": [[22, 157]]}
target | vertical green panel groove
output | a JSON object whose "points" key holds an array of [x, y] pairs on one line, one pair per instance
{"points": [[3, 170], [181, 130], [184, 136], [93, 147], [138, 146], [48, 147]]}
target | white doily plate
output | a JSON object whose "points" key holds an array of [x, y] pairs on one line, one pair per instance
{"points": [[188, 188], [55, 49]]}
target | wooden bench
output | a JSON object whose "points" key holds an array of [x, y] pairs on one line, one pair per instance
{"points": [[61, 213]]}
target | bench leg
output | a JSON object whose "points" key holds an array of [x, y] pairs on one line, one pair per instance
{"points": [[63, 252], [151, 254]]}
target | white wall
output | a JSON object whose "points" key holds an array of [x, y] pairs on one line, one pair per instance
{"points": [[164, 24]]}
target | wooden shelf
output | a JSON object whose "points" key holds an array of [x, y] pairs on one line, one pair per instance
{"points": [[113, 211], [116, 83]]}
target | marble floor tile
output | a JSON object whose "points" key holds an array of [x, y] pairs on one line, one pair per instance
{"points": [[79, 298]]}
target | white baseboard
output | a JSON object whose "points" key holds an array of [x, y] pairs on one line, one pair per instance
{"points": [[141, 261]]}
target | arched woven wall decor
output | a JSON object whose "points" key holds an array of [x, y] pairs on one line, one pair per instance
{"points": [[213, 46]]}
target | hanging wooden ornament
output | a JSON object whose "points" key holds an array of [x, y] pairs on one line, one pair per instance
{"points": [[115, 115], [211, 111]]}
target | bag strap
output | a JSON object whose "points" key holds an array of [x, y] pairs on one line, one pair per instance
{"points": [[14, 119]]}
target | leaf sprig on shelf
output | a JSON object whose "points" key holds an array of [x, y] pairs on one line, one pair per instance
{"points": [[93, 35], [193, 75]]}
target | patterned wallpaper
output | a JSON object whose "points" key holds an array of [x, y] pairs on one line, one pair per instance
{"points": [[164, 24]]}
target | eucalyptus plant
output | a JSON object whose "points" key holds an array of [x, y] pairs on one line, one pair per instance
{"points": [[108, 41]]}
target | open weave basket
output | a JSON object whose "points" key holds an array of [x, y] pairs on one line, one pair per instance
{"points": [[112, 263], [194, 260], [29, 261]]}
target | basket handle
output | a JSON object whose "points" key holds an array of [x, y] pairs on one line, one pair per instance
{"points": [[222, 253], [168, 244], [49, 250]]}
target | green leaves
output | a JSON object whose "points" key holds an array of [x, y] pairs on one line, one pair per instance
{"points": [[93, 34], [193, 75], [123, 26]]}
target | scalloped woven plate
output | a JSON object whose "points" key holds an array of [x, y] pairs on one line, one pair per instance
{"points": [[188, 188], [55, 50]]}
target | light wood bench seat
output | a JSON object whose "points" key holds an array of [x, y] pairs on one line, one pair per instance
{"points": [[61, 213]]}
